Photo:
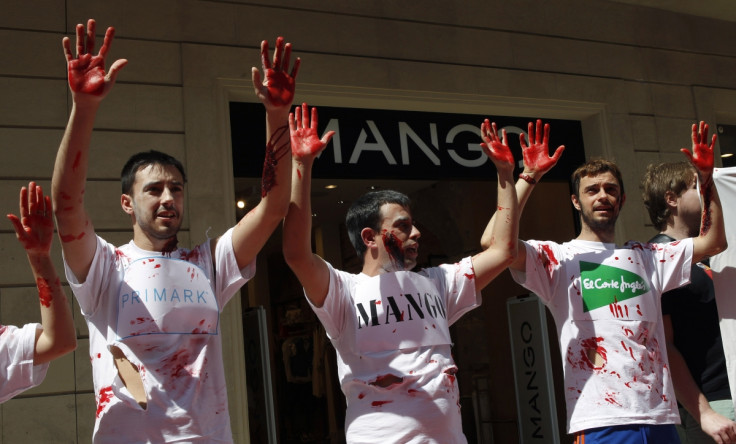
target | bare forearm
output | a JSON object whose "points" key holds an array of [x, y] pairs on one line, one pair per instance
{"points": [[502, 247], [72, 159], [712, 237], [58, 336], [523, 191], [297, 243]]}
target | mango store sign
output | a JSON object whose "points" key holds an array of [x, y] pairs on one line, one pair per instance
{"points": [[535, 396], [373, 143]]}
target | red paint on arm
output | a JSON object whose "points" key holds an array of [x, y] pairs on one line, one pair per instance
{"points": [[44, 291], [273, 154]]}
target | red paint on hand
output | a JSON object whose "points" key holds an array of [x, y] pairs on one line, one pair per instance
{"points": [[34, 229], [304, 139], [86, 73], [277, 88], [536, 154], [497, 149], [702, 155]]}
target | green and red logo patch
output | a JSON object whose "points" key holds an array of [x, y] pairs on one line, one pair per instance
{"points": [[604, 285]]}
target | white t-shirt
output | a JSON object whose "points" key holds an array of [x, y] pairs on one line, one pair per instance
{"points": [[606, 304], [163, 312], [397, 324], [17, 372]]}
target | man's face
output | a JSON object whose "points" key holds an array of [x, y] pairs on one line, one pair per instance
{"points": [[157, 201], [599, 201], [689, 210], [397, 239]]}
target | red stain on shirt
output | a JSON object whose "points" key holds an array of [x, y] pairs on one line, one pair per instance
{"points": [[380, 403], [103, 399]]}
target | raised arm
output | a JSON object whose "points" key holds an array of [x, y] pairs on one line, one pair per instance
{"points": [[537, 162], [502, 248], [712, 237], [89, 84], [35, 229], [275, 89], [310, 269]]}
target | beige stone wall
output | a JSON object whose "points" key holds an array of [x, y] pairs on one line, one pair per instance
{"points": [[636, 78]]}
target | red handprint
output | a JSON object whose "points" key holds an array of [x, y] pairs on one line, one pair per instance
{"points": [[536, 153], [304, 139], [702, 155], [35, 226], [276, 89], [86, 72], [496, 148]]}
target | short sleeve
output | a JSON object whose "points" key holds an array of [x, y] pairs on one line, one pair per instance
{"points": [[457, 283], [17, 372], [542, 269], [89, 292], [229, 277]]}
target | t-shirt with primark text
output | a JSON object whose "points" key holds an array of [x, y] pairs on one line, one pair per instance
{"points": [[605, 300], [162, 311]]}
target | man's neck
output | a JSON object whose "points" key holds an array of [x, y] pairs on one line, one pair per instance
{"points": [[676, 233], [151, 244], [605, 236]]}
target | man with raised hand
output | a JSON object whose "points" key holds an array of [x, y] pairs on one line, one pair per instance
{"points": [[389, 324], [690, 314], [25, 353], [605, 300], [152, 308]]}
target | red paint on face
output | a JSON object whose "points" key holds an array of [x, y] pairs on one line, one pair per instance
{"points": [[394, 248], [361, 396], [103, 399], [44, 291]]}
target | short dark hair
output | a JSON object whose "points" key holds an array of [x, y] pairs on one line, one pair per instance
{"points": [[366, 213], [142, 160], [595, 167], [676, 177]]}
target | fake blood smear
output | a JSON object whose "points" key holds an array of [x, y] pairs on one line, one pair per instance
{"points": [[380, 403], [170, 246], [77, 159], [273, 153], [104, 399], [394, 247], [44, 292]]}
